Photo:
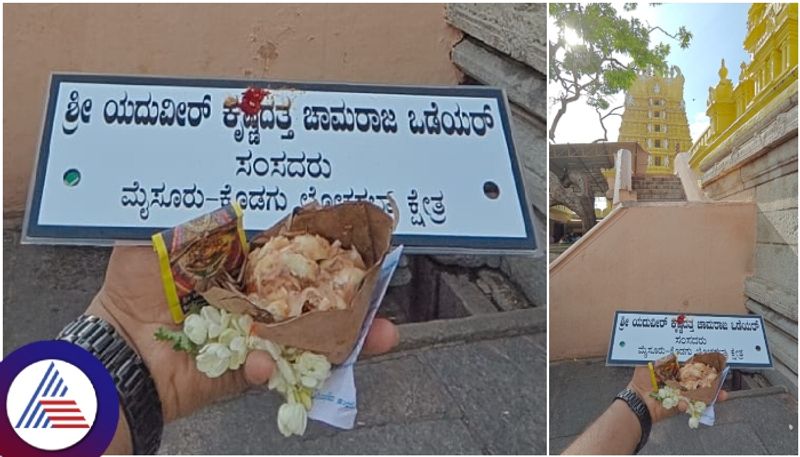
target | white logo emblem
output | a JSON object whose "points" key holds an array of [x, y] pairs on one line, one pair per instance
{"points": [[51, 405]]}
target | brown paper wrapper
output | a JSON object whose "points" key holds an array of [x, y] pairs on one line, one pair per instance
{"points": [[705, 394], [332, 333]]}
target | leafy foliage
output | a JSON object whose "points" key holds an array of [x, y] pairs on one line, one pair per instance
{"points": [[609, 53], [180, 342]]}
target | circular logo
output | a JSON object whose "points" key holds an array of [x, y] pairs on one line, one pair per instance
{"points": [[61, 409], [59, 399]]}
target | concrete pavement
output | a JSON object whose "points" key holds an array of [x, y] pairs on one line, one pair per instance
{"points": [[469, 385], [754, 421]]}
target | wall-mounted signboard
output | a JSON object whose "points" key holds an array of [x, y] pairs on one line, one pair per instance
{"points": [[641, 337], [123, 157]]}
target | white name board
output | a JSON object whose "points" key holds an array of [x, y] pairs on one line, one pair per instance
{"points": [[123, 157], [641, 337]]}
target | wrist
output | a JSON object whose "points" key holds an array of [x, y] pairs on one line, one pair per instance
{"points": [[142, 418], [628, 419], [123, 441], [644, 395], [102, 307], [638, 411]]}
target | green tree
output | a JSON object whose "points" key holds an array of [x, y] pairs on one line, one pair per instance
{"points": [[604, 57]]}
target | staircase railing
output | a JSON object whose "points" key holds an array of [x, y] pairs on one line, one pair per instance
{"points": [[623, 174], [689, 179]]}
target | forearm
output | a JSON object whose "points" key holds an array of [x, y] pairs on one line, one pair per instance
{"points": [[616, 431], [103, 337], [122, 442]]}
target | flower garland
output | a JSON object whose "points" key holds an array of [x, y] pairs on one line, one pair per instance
{"points": [[219, 341], [671, 397]]}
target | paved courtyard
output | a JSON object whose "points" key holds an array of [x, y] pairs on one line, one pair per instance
{"points": [[755, 421], [473, 385]]}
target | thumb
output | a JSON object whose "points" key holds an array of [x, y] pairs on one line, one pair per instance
{"points": [[258, 368]]}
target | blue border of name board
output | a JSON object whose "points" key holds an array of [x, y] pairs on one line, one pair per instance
{"points": [[52, 234], [630, 362]]}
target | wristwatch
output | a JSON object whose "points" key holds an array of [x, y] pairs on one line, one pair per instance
{"points": [[136, 388], [642, 413]]}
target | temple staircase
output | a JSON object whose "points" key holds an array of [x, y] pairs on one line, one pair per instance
{"points": [[661, 248], [658, 188]]}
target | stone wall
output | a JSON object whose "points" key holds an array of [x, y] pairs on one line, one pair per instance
{"points": [[504, 46], [390, 44], [760, 165]]}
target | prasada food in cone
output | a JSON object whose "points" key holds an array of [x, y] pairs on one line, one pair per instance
{"points": [[307, 282]]}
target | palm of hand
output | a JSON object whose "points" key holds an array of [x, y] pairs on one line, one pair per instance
{"points": [[132, 299], [642, 385]]}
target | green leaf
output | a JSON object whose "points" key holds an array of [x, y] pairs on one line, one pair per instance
{"points": [[179, 340], [613, 50]]}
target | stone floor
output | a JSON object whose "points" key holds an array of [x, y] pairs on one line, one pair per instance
{"points": [[756, 421], [470, 385], [465, 398]]}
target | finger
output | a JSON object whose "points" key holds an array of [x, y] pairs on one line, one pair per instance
{"points": [[258, 368], [382, 337], [723, 395]]}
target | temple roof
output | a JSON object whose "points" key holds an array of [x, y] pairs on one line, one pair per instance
{"points": [[591, 158]]}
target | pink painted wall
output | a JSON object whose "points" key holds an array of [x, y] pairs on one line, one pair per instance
{"points": [[677, 257], [402, 44]]}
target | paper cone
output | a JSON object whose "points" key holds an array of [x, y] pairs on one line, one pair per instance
{"points": [[332, 333], [705, 394]]}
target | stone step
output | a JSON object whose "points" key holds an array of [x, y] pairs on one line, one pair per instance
{"points": [[659, 191], [658, 188], [659, 197], [662, 199]]}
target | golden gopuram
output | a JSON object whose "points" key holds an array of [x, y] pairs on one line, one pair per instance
{"points": [[769, 79], [655, 117]]}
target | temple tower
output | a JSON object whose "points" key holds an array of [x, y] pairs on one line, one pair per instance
{"points": [[655, 117]]}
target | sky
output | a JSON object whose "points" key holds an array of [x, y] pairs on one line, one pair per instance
{"points": [[719, 31]]}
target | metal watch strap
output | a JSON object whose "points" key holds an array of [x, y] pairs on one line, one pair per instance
{"points": [[136, 388], [638, 407]]}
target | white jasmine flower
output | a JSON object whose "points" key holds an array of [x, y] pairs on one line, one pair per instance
{"points": [[313, 369], [238, 348], [217, 320], [669, 402], [227, 336], [265, 345], [292, 419], [695, 408], [668, 397], [213, 359], [196, 329], [276, 382], [285, 369], [304, 397], [242, 323]]}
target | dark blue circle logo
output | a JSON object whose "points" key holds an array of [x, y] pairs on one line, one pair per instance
{"points": [[59, 401]]}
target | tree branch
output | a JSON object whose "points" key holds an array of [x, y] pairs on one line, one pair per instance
{"points": [[561, 111], [674, 36], [602, 118]]}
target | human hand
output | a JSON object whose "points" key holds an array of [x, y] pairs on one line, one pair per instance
{"points": [[132, 300], [641, 384]]}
